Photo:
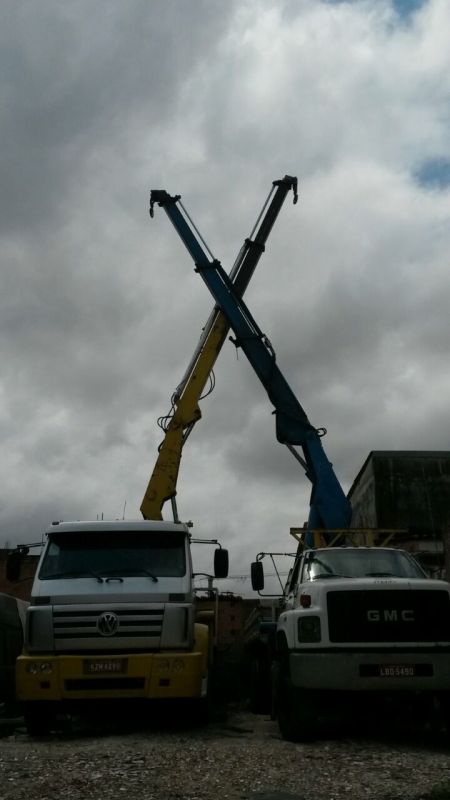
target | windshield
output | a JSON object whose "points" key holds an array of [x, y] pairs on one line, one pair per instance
{"points": [[109, 554], [360, 563]]}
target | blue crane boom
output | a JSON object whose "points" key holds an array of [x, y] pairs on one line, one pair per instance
{"points": [[329, 506]]}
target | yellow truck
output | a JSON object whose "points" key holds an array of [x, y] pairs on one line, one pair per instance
{"points": [[112, 618]]}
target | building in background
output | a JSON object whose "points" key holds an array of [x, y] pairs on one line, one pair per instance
{"points": [[21, 589], [407, 490]]}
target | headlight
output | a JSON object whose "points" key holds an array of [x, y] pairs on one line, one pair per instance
{"points": [[39, 667], [309, 629]]}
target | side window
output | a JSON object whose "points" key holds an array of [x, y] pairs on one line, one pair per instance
{"points": [[52, 564]]}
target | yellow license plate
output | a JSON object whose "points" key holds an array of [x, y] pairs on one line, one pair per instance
{"points": [[105, 666]]}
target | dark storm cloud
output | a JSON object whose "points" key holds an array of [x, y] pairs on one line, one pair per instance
{"points": [[74, 76], [100, 308]]}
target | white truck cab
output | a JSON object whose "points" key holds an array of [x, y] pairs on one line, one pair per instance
{"points": [[359, 622]]}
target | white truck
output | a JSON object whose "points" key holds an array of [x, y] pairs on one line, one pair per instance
{"points": [[360, 625], [112, 618], [348, 627]]}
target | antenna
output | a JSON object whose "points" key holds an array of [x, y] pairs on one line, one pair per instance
{"points": [[124, 507]]}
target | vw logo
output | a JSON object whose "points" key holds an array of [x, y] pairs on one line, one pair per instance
{"points": [[108, 623]]}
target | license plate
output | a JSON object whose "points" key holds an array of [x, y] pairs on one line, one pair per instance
{"points": [[105, 666], [397, 670]]}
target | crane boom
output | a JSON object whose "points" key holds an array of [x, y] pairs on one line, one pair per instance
{"points": [[185, 400], [329, 507]]}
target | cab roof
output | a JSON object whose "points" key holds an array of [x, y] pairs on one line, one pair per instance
{"points": [[118, 526]]}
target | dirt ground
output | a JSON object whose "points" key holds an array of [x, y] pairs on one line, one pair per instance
{"points": [[241, 757]]}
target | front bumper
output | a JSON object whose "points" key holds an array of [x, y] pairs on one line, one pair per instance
{"points": [[348, 671], [149, 676]]}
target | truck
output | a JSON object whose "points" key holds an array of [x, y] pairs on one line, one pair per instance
{"points": [[113, 614], [112, 618], [376, 626], [362, 628]]}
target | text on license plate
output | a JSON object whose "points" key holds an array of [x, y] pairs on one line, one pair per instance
{"points": [[105, 666], [397, 670]]}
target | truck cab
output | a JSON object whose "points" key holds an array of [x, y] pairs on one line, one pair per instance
{"points": [[112, 616], [362, 620], [343, 563]]}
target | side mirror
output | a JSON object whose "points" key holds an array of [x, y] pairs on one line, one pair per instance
{"points": [[221, 563], [257, 575], [13, 565]]}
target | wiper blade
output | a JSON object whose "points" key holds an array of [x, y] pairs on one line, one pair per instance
{"points": [[330, 575], [55, 575], [150, 575], [132, 573]]}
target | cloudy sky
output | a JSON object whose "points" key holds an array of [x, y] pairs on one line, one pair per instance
{"points": [[101, 309]]}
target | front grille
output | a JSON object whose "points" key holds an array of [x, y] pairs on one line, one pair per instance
{"points": [[403, 615], [138, 627], [104, 684]]}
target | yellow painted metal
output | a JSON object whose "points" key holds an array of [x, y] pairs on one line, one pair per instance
{"points": [[160, 675], [203, 641], [163, 481]]}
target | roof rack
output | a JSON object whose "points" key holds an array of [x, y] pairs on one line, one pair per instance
{"points": [[349, 537]]}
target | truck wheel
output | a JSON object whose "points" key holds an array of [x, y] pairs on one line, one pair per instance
{"points": [[296, 718]]}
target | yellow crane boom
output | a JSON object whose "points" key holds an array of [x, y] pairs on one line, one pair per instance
{"points": [[185, 410]]}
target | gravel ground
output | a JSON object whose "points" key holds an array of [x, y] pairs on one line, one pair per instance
{"points": [[243, 758]]}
